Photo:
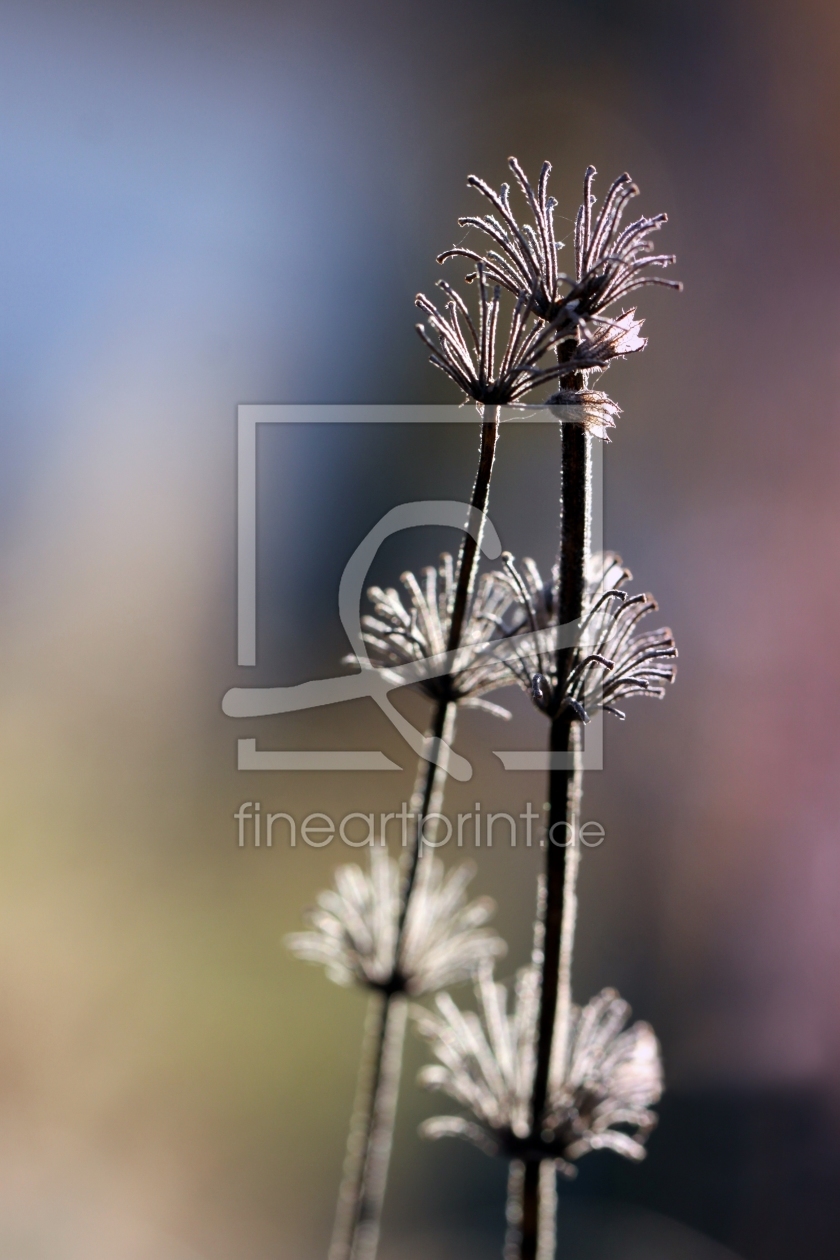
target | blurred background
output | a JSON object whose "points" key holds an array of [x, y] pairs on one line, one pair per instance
{"points": [[211, 203]]}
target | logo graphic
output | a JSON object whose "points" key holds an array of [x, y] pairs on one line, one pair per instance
{"points": [[372, 681]]}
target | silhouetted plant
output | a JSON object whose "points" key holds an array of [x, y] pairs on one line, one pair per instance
{"points": [[548, 1081]]}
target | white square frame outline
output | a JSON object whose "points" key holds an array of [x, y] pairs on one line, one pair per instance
{"points": [[249, 416]]}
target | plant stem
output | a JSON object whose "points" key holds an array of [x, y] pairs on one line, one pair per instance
{"points": [[568, 921], [426, 799], [547, 1235], [530, 1228], [362, 1193], [543, 1174], [470, 545], [359, 1210], [565, 786], [445, 710], [513, 1209]]}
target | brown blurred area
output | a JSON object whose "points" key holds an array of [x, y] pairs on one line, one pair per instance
{"points": [[209, 204]]}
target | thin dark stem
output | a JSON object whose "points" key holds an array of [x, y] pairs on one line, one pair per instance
{"points": [[362, 1192], [356, 1232], [560, 784], [575, 495], [430, 783], [568, 919], [529, 1228], [562, 787], [361, 1124], [564, 802], [470, 545], [369, 1149], [445, 711]]}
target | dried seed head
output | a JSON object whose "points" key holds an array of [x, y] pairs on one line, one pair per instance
{"points": [[355, 926], [603, 1086], [417, 630], [610, 263], [467, 352], [525, 261], [612, 659]]}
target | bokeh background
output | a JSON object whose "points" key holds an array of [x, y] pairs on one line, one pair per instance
{"points": [[212, 203]]}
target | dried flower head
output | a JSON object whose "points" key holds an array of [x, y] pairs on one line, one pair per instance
{"points": [[612, 659], [594, 409], [526, 260], [600, 1091], [472, 361], [400, 633], [355, 926], [612, 1079], [610, 263]]}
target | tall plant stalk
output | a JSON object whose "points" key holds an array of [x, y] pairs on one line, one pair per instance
{"points": [[565, 791], [549, 1081], [362, 1191], [364, 1180]]}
